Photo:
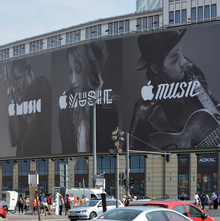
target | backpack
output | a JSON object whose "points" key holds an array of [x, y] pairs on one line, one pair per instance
{"points": [[48, 200]]}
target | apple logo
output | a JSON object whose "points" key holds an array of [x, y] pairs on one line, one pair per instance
{"points": [[62, 101], [146, 92], [11, 109]]}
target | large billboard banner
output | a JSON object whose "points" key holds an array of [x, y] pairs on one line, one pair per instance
{"points": [[160, 87]]}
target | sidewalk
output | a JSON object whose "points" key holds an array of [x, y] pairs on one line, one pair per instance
{"points": [[35, 217]]}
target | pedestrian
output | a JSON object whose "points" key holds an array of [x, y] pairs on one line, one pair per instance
{"points": [[21, 204], [124, 198], [67, 204], [71, 200], [86, 199], [214, 200], [127, 200], [77, 201], [202, 200], [196, 198], [207, 202], [35, 205], [82, 200], [26, 204], [49, 202], [166, 196], [61, 203], [183, 197], [42, 206]]}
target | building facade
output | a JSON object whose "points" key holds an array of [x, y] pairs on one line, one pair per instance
{"points": [[53, 79]]}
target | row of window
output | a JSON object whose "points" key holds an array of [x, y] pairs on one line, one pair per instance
{"points": [[199, 14], [114, 29]]}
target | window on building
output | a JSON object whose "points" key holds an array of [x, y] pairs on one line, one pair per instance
{"points": [[145, 24], [106, 164], [42, 167], [19, 50], [136, 164], [99, 31], [127, 27], [91, 32], [57, 170], [121, 28], [177, 17], [55, 41], [150, 22], [156, 21], [183, 15], [4, 54], [206, 13], [193, 15], [81, 166], [171, 18], [36, 46], [213, 12], [200, 14], [7, 169], [23, 168], [7, 173], [115, 28], [87, 33], [95, 31], [81, 173], [109, 29], [138, 26]]}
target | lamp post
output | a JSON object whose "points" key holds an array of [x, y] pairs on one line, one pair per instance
{"points": [[117, 137]]}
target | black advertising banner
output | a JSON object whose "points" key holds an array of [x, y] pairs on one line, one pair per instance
{"points": [[207, 159], [161, 87]]}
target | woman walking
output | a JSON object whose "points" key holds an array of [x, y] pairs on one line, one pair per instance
{"points": [[21, 204]]}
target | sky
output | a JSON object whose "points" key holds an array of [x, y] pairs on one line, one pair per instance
{"points": [[20, 19]]}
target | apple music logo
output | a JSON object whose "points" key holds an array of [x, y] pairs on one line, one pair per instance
{"points": [[84, 98], [168, 91], [26, 107]]}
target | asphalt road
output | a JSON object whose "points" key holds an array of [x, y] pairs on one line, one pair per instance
{"points": [[214, 213]]}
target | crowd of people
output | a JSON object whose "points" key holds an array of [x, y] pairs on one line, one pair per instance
{"points": [[204, 201], [65, 204]]}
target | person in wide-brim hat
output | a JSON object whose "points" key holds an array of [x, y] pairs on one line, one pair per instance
{"points": [[155, 47]]}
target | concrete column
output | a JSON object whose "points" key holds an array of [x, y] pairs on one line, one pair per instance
{"points": [[1, 179], [192, 170], [15, 174], [90, 171], [171, 178], [72, 172], [51, 175]]}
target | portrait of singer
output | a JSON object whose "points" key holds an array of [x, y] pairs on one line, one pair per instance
{"points": [[29, 125], [182, 118], [85, 64]]}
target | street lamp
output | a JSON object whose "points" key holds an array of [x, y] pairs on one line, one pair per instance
{"points": [[117, 138]]}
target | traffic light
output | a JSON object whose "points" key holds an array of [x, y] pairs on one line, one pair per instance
{"points": [[117, 138], [131, 181], [168, 158]]}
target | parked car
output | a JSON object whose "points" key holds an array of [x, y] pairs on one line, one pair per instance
{"points": [[187, 209], [91, 209], [2, 213], [142, 213]]}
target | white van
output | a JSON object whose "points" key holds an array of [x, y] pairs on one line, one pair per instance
{"points": [[90, 193]]}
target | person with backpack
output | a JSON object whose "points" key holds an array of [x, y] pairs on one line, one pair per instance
{"points": [[67, 204], [21, 204], [49, 202]]}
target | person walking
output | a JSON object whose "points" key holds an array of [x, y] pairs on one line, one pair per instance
{"points": [[207, 202], [67, 204], [21, 204], [61, 203], [35, 205], [49, 202], [26, 205]]}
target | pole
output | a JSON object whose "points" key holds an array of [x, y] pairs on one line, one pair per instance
{"points": [[117, 180], [36, 191], [94, 140], [127, 166]]}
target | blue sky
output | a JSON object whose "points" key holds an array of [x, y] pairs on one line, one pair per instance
{"points": [[20, 19]]}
